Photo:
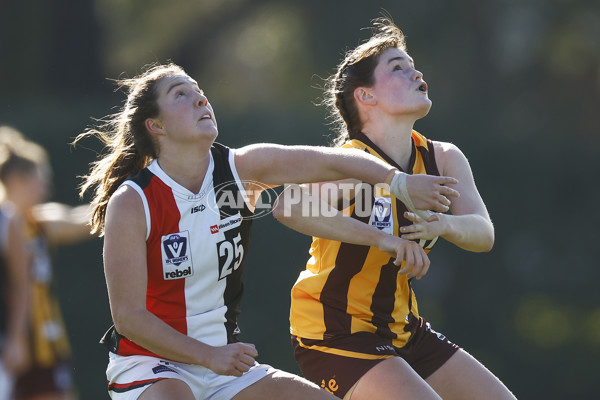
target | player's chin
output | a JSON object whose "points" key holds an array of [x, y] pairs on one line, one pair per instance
{"points": [[211, 133], [419, 110], [424, 109]]}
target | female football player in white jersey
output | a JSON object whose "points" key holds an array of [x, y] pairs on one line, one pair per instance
{"points": [[354, 316], [173, 250]]}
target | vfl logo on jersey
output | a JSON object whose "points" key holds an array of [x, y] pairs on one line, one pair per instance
{"points": [[176, 257], [381, 215]]}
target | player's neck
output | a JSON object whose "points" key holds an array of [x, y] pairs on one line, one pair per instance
{"points": [[187, 168], [394, 140]]}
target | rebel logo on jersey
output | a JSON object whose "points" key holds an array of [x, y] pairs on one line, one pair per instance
{"points": [[177, 261]]}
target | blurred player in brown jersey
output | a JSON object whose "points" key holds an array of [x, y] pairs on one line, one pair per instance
{"points": [[25, 175]]}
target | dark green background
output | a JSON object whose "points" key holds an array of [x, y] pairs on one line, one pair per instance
{"points": [[515, 84]]}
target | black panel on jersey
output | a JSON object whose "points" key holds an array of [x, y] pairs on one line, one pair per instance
{"points": [[334, 295], [383, 301], [142, 178], [223, 174], [429, 158], [430, 167]]}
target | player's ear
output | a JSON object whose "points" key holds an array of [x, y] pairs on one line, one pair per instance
{"points": [[365, 96], [154, 126]]}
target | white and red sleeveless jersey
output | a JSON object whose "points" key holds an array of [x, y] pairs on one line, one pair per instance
{"points": [[195, 246]]}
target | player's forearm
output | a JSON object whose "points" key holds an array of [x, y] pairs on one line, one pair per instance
{"points": [[470, 232], [327, 222], [148, 331]]}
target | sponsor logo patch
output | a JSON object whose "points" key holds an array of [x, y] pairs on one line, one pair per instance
{"points": [[226, 224], [199, 208], [384, 347], [162, 368], [331, 385]]}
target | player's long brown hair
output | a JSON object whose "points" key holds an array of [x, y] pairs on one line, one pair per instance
{"points": [[356, 70], [130, 146]]}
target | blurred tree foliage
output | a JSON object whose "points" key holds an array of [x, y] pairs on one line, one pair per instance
{"points": [[515, 84]]}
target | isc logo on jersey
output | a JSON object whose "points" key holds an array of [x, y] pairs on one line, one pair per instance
{"points": [[381, 215], [176, 257]]}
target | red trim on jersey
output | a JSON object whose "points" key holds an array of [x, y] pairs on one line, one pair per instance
{"points": [[164, 298]]}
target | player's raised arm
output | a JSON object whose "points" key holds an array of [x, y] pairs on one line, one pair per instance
{"points": [[277, 164]]}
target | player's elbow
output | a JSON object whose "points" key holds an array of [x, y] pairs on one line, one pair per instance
{"points": [[124, 321], [283, 211], [486, 240], [278, 211], [480, 240], [487, 243], [120, 322]]}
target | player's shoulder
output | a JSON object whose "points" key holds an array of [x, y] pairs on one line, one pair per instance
{"points": [[444, 146], [125, 200], [125, 213], [446, 150], [449, 157]]}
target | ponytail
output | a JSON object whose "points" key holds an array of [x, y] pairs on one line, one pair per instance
{"points": [[130, 146]]}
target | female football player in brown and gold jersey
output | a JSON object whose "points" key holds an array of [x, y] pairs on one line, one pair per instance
{"points": [[44, 354], [356, 327]]}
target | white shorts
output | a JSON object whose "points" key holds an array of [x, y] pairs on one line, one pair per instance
{"points": [[129, 376]]}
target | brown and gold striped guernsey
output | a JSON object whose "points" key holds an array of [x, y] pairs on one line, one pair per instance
{"points": [[349, 288]]}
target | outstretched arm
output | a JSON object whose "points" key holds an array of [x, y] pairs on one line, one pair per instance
{"points": [[276, 165], [327, 222], [64, 224]]}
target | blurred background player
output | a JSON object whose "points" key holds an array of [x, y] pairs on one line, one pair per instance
{"points": [[26, 176], [14, 278]]}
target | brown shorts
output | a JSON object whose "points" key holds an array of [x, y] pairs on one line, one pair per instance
{"points": [[39, 381], [337, 364]]}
